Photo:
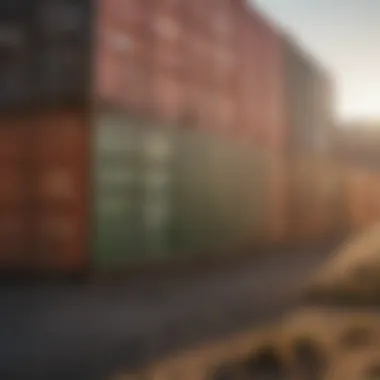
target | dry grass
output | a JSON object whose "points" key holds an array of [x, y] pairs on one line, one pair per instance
{"points": [[314, 341], [352, 277], [363, 365], [307, 344]]}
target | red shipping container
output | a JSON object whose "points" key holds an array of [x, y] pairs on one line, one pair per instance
{"points": [[216, 50], [61, 188], [109, 72], [197, 15], [123, 55], [222, 23], [14, 193], [14, 239], [168, 98], [130, 15], [43, 200]]}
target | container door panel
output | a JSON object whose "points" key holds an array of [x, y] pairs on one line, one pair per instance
{"points": [[117, 196], [60, 190]]}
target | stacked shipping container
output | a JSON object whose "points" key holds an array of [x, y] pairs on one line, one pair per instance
{"points": [[309, 122], [44, 132], [201, 74], [184, 150]]}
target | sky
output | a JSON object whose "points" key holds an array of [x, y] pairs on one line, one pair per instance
{"points": [[345, 36]]}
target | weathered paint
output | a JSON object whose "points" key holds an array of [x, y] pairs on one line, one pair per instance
{"points": [[43, 205]]}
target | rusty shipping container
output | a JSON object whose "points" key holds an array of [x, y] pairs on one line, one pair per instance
{"points": [[44, 214]]}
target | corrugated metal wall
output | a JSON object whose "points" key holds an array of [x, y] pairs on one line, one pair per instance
{"points": [[162, 193], [14, 231], [194, 67], [192, 63], [309, 122], [207, 79], [45, 50], [44, 201], [44, 87], [362, 198], [132, 189], [309, 102]]}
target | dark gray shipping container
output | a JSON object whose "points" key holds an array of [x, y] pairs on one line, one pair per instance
{"points": [[45, 52]]}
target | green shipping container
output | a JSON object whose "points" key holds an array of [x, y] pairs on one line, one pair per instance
{"points": [[132, 190], [163, 193]]}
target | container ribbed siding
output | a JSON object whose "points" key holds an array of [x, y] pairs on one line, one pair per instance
{"points": [[309, 120], [216, 74], [193, 104], [308, 97], [45, 47], [362, 184], [315, 199], [214, 65], [43, 212], [190, 72], [164, 194]]}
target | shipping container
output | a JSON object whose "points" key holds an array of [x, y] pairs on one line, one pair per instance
{"points": [[327, 214], [376, 198], [279, 207], [159, 135], [14, 195], [192, 67], [44, 203], [359, 202], [205, 194], [303, 194], [309, 94], [132, 188], [45, 49]]}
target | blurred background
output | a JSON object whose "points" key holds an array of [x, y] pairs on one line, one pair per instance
{"points": [[157, 140]]}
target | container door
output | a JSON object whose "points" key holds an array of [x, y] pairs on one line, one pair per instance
{"points": [[60, 184], [132, 190], [156, 187], [43, 197], [118, 198]]}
